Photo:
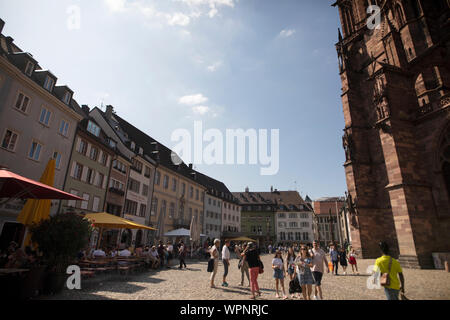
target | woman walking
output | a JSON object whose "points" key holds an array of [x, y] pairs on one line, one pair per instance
{"points": [[290, 263], [352, 260], [243, 266], [343, 260], [279, 272], [303, 270], [251, 255], [182, 254], [215, 256]]}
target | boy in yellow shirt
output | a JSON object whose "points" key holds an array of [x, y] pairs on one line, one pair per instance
{"points": [[382, 266]]}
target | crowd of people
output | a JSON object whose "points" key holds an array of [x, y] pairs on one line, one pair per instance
{"points": [[15, 257]]}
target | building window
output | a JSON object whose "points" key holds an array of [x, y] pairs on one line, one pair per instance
{"points": [[78, 171], [293, 225], [134, 185], [29, 68], [154, 206], [45, 116], [147, 172], [85, 202], [137, 165], [93, 128], [72, 203], [171, 210], [48, 84], [82, 148], [10, 140], [35, 151], [103, 158], [22, 102], [142, 211], [145, 190], [57, 157], [305, 236], [90, 176], [191, 192], [93, 154], [157, 177], [183, 189], [304, 224], [131, 207], [174, 184], [166, 182], [67, 97], [100, 179], [64, 128], [112, 143], [163, 208], [95, 204], [197, 196]]}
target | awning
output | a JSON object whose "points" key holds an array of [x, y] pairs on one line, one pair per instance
{"points": [[242, 239], [109, 221], [180, 233], [13, 185]]}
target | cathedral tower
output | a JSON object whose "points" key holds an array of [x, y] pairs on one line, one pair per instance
{"points": [[396, 99]]}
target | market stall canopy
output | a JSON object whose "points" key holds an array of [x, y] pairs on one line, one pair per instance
{"points": [[13, 185], [242, 239], [109, 221], [180, 233]]}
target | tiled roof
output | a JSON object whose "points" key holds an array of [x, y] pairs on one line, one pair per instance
{"points": [[277, 198]]}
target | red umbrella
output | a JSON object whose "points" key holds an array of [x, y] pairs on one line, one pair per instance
{"points": [[15, 186]]}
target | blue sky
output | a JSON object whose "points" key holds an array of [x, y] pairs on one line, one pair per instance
{"points": [[250, 64]]}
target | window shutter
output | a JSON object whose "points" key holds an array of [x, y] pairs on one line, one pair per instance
{"points": [[105, 181], [78, 144], [72, 171], [100, 154], [84, 174], [108, 161], [88, 152]]}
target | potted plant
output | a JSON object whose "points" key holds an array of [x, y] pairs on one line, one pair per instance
{"points": [[60, 238]]}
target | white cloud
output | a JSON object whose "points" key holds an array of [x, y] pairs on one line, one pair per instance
{"points": [[201, 110], [192, 100], [179, 19], [287, 33], [215, 66], [116, 5]]}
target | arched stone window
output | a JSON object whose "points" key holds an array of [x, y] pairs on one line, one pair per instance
{"points": [[399, 14], [416, 9]]}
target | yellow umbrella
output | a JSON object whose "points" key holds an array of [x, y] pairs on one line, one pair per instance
{"points": [[36, 210], [243, 239]]}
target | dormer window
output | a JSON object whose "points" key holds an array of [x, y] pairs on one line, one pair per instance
{"points": [[67, 97], [133, 145], [29, 68], [93, 128], [49, 83], [141, 151]]}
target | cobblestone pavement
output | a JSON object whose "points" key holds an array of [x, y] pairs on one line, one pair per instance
{"points": [[193, 284]]}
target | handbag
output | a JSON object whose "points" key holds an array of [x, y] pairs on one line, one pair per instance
{"points": [[294, 286], [240, 264], [210, 265], [261, 267], [385, 280]]}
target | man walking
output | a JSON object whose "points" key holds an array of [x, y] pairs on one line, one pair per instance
{"points": [[225, 261], [318, 260], [390, 266], [182, 255]]}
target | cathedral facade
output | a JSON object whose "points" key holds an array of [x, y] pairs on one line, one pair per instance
{"points": [[394, 65]]}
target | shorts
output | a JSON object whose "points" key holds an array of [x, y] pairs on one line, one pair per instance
{"points": [[278, 274], [291, 270], [352, 260], [317, 275]]}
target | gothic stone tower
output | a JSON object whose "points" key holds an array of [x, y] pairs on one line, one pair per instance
{"points": [[396, 101]]}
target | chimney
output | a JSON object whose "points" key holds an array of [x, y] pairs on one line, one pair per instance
{"points": [[2, 24], [271, 188], [247, 189], [190, 166], [109, 112], [85, 109]]}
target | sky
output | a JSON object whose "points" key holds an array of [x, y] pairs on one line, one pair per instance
{"points": [[163, 64]]}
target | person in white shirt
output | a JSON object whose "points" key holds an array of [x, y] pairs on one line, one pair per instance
{"points": [[279, 272], [154, 257], [170, 252], [125, 253], [225, 261], [99, 253]]}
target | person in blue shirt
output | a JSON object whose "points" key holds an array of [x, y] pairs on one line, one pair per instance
{"points": [[334, 255]]}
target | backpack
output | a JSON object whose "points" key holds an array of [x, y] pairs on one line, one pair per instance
{"points": [[294, 286]]}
